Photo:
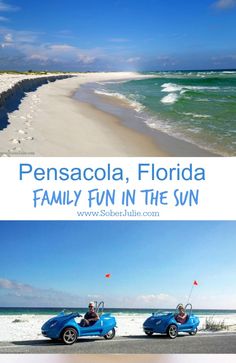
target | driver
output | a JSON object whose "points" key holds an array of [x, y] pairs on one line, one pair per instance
{"points": [[90, 317], [181, 317]]}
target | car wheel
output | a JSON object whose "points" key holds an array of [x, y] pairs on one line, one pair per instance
{"points": [[110, 335], [172, 331], [69, 335], [148, 333], [193, 332]]}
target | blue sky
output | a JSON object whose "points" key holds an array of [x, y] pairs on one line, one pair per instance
{"points": [[117, 34], [152, 264]]}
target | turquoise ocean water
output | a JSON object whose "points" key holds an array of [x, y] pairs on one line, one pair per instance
{"points": [[197, 106]]}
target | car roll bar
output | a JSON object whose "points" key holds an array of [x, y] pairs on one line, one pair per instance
{"points": [[99, 308]]}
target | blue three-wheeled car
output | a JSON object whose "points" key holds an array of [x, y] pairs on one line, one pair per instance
{"points": [[64, 326], [166, 323]]}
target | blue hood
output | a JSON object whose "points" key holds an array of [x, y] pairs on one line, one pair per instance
{"points": [[61, 318]]}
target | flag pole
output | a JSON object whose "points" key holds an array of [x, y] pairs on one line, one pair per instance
{"points": [[190, 294], [195, 283]]}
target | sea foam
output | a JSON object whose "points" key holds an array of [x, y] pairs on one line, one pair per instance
{"points": [[172, 87], [133, 103], [170, 98]]}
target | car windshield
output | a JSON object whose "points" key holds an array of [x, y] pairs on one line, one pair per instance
{"points": [[158, 313]]}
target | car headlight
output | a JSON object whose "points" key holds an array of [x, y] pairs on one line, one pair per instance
{"points": [[53, 324], [158, 322]]}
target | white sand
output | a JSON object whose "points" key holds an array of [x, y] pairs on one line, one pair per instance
{"points": [[29, 326], [50, 123]]}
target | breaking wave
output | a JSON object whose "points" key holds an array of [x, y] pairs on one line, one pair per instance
{"points": [[131, 102], [170, 98]]}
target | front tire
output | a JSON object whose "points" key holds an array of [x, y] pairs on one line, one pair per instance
{"points": [[69, 336], [172, 331], [148, 333], [110, 335], [194, 332]]}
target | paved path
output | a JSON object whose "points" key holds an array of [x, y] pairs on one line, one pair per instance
{"points": [[202, 343]]}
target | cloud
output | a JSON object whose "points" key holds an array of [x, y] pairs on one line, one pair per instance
{"points": [[3, 18], [4, 6], [62, 48], [133, 59], [152, 300], [119, 40], [38, 57], [8, 38], [29, 45], [13, 285], [86, 59], [14, 293], [18, 37], [221, 60], [225, 4]]}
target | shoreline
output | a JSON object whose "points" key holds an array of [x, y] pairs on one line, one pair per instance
{"points": [[50, 122], [127, 116]]}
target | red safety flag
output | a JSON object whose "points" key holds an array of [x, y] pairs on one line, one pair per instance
{"points": [[195, 283], [108, 276]]}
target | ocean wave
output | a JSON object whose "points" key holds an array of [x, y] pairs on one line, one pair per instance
{"points": [[116, 82], [169, 129], [196, 115], [173, 87], [111, 82], [133, 103], [170, 99], [229, 72]]}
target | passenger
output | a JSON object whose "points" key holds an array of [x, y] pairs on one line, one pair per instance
{"points": [[181, 317], [90, 317]]}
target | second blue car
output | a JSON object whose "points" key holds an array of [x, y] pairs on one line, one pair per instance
{"points": [[165, 323]]}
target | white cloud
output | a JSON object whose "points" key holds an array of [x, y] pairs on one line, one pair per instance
{"points": [[62, 48], [225, 4], [15, 293], [19, 36], [3, 18], [38, 57], [222, 59], [153, 300], [29, 45], [133, 59], [86, 59], [4, 6], [119, 40], [13, 285], [8, 38]]}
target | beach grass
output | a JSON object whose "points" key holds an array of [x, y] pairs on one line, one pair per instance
{"points": [[213, 325]]}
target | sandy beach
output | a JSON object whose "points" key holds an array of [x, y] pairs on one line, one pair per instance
{"points": [[28, 327], [50, 122]]}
